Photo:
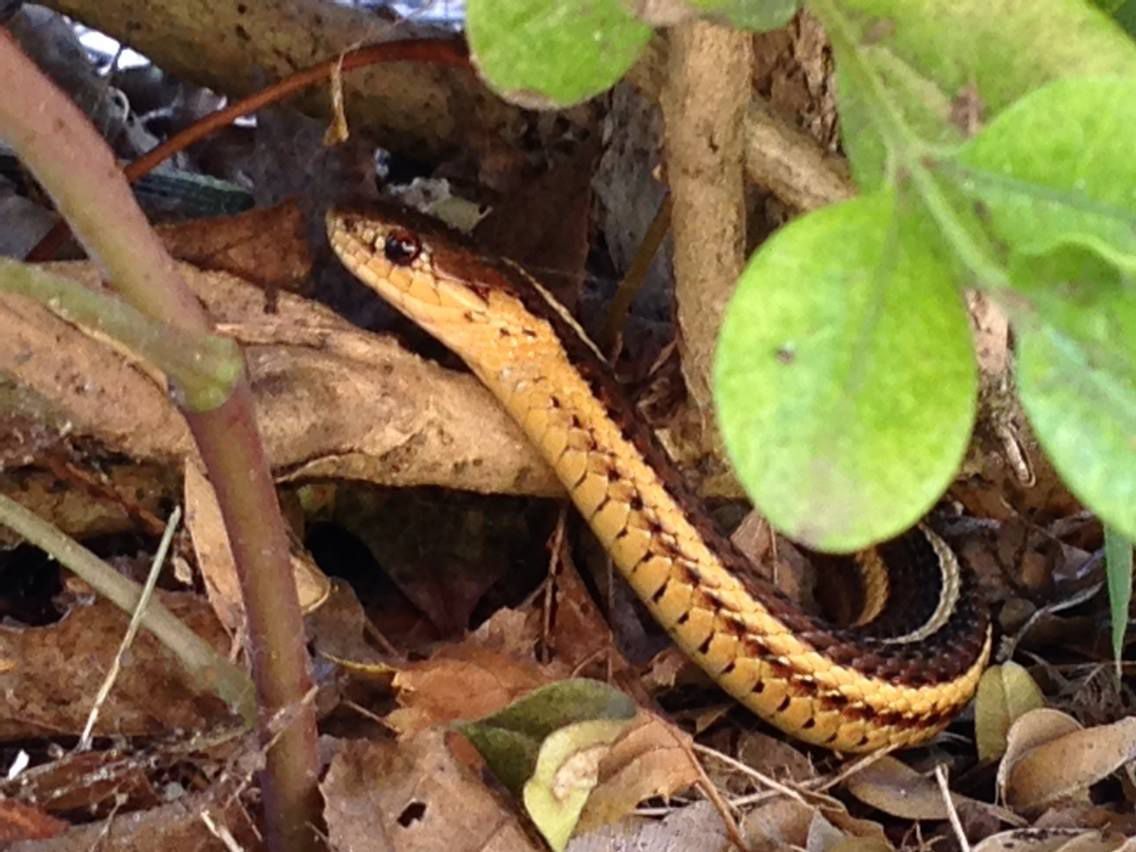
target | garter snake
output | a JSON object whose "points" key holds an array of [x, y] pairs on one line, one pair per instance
{"points": [[914, 658]]}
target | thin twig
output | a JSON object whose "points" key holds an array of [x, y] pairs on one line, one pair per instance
{"points": [[949, 804], [208, 668], [711, 792], [131, 629]]}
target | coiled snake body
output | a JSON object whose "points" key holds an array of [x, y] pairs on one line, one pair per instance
{"points": [[921, 644]]}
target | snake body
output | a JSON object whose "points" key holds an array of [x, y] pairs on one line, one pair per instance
{"points": [[914, 658]]}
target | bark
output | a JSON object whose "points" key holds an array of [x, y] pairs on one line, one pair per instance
{"points": [[237, 46]]}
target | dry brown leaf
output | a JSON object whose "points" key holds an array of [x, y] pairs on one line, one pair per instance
{"points": [[1005, 693], [579, 634], [1052, 758], [266, 245], [215, 558], [177, 825], [652, 758], [774, 757], [332, 401], [896, 789], [824, 836], [1053, 840], [463, 681], [382, 797], [56, 672], [777, 824], [512, 631], [25, 822], [696, 826]]}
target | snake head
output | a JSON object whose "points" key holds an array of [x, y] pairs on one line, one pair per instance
{"points": [[442, 280]]}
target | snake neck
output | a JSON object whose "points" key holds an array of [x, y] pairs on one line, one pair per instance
{"points": [[824, 685]]}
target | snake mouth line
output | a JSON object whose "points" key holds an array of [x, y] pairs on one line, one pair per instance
{"points": [[895, 680]]}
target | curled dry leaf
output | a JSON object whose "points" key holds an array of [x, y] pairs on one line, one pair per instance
{"points": [[215, 558], [332, 401], [1005, 693], [652, 758], [1050, 757], [463, 681]]}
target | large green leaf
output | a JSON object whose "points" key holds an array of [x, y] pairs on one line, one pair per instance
{"points": [[1077, 376], [844, 378], [943, 66], [1053, 177], [1057, 169], [553, 53]]}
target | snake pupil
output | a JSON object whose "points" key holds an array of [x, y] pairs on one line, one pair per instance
{"points": [[401, 248]]}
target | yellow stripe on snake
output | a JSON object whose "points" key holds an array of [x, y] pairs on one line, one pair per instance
{"points": [[890, 681]]}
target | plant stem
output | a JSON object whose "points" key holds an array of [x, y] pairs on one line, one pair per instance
{"points": [[75, 166], [202, 366]]}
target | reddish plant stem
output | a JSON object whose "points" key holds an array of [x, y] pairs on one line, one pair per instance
{"points": [[75, 166], [447, 52]]}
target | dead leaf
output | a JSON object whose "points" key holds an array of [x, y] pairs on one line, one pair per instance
{"points": [[895, 788], [25, 822], [1054, 840], [266, 245], [652, 758], [59, 668], [382, 797], [1005, 693], [696, 826], [1050, 757], [463, 681], [181, 824], [777, 824], [825, 837], [332, 401], [215, 558]]}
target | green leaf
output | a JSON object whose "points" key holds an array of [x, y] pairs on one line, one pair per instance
{"points": [[546, 748], [1118, 568], [567, 770], [844, 378], [944, 64], [1076, 345], [1056, 169], [543, 54], [510, 739], [1054, 178]]}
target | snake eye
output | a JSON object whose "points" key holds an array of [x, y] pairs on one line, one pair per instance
{"points": [[401, 248]]}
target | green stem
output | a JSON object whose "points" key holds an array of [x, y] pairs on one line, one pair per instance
{"points": [[202, 366]]}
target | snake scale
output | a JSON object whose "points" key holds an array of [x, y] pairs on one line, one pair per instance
{"points": [[895, 679]]}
